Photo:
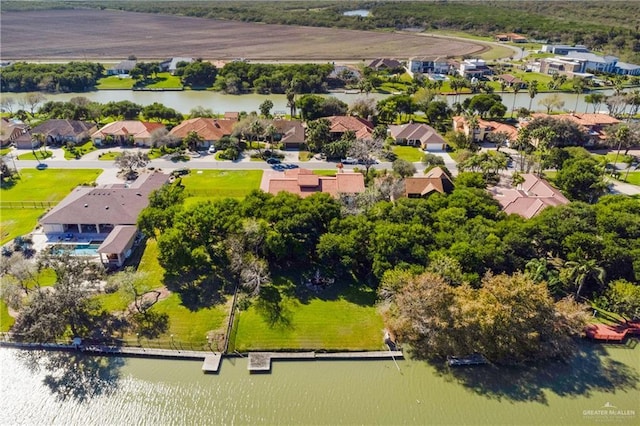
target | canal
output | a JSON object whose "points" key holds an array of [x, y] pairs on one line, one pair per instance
{"points": [[63, 388]]}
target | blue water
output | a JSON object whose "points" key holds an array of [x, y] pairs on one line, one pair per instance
{"points": [[359, 12], [80, 249]]}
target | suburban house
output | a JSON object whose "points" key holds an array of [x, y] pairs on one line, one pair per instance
{"points": [[470, 68], [304, 183], [105, 215], [340, 124], [59, 131], [122, 68], [428, 66], [563, 49], [170, 65], [485, 127], [290, 133], [594, 124], [10, 131], [510, 80], [512, 37], [529, 198], [435, 180], [209, 129], [25, 140], [417, 134], [383, 64], [126, 132], [580, 63]]}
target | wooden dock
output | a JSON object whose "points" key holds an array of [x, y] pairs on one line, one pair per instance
{"points": [[260, 362], [212, 363]]}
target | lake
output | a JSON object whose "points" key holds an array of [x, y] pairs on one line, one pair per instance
{"points": [[65, 388]]}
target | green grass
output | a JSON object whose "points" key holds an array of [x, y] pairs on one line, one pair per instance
{"points": [[325, 172], [35, 155], [201, 185], [50, 185], [165, 80], [408, 153], [611, 157], [5, 151], [154, 153], [78, 151], [114, 82], [109, 156], [338, 324], [6, 320], [633, 178], [305, 156]]}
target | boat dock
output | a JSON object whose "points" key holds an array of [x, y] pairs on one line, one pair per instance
{"points": [[212, 363], [260, 362]]}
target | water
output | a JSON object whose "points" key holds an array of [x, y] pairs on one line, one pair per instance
{"points": [[359, 12], [80, 249], [219, 103], [60, 388]]}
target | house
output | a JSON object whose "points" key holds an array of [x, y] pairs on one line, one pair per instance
{"points": [[435, 180], [562, 65], [595, 125], [512, 37], [171, 65], [106, 214], [210, 130], [485, 127], [423, 65], [126, 132], [232, 116], [418, 134], [11, 130], [26, 141], [529, 198], [290, 133], [590, 62], [304, 183], [510, 80], [384, 64], [59, 131], [122, 68], [563, 49], [624, 68], [470, 68], [340, 124]]}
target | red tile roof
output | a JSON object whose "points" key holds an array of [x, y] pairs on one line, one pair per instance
{"points": [[210, 129], [435, 180], [533, 196], [304, 183], [343, 123]]}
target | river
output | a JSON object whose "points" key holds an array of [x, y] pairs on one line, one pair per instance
{"points": [[219, 103], [61, 388]]}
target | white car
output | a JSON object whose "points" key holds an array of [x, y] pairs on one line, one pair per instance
{"points": [[212, 149], [349, 160]]}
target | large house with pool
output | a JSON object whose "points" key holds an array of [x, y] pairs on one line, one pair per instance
{"points": [[101, 220]]}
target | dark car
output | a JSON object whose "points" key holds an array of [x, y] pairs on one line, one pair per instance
{"points": [[273, 160], [278, 167], [42, 166], [180, 172]]}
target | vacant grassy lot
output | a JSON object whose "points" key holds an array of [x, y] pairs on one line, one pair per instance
{"points": [[408, 153], [349, 321], [164, 80], [202, 185], [35, 155], [114, 82], [50, 185]]}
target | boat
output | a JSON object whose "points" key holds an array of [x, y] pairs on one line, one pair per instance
{"points": [[462, 361]]}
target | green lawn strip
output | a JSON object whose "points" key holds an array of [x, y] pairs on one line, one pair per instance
{"points": [[633, 178], [5, 151], [6, 320], [114, 82], [221, 183], [305, 156], [318, 324], [325, 172], [45, 278], [408, 153], [78, 151], [613, 157], [35, 155], [47, 185], [109, 156], [16, 222], [164, 80]]}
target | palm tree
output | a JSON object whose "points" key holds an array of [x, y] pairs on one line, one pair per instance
{"points": [[533, 91], [291, 101], [257, 129], [579, 85], [578, 272], [516, 88], [595, 99], [270, 131]]}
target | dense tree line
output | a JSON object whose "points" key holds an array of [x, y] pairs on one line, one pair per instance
{"points": [[68, 77]]}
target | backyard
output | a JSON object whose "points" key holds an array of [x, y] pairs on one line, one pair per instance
{"points": [[29, 196]]}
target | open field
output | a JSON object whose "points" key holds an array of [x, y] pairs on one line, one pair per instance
{"points": [[203, 185], [114, 35]]}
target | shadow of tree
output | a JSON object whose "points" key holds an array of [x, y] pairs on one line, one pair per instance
{"points": [[196, 292], [588, 371], [74, 376], [271, 306]]}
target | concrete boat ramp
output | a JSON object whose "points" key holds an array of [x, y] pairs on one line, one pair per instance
{"points": [[260, 362]]}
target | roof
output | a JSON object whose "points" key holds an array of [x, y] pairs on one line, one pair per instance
{"points": [[172, 64], [136, 129], [344, 123], [60, 127], [384, 63], [106, 204], [118, 239], [592, 57], [209, 129], [304, 183], [533, 196], [10, 130], [416, 131], [586, 120], [127, 65], [436, 180], [627, 66], [292, 131], [510, 79], [460, 123]]}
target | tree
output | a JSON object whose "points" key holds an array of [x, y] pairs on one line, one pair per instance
{"points": [[363, 107], [621, 137], [580, 180], [6, 104], [578, 85], [595, 99], [623, 298], [159, 112], [193, 141], [318, 133], [265, 108], [200, 111], [533, 91], [32, 100], [552, 102], [366, 151], [403, 168], [432, 160], [199, 74], [130, 161], [516, 88], [580, 271]]}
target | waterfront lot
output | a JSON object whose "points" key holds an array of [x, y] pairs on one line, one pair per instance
{"points": [[50, 185], [203, 185]]}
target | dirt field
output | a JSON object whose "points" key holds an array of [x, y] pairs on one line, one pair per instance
{"points": [[114, 35]]}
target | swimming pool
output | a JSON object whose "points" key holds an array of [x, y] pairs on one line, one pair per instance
{"points": [[90, 249]]}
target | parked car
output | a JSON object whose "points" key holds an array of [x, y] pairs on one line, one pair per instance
{"points": [[42, 166], [180, 172], [212, 149], [278, 167], [273, 160], [291, 166], [349, 160]]}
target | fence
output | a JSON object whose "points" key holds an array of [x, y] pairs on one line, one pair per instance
{"points": [[26, 204]]}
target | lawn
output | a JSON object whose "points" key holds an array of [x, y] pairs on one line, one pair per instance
{"points": [[408, 153], [6, 321], [325, 172], [109, 156], [201, 185], [114, 82], [78, 151], [35, 155], [5, 151], [49, 185], [305, 156], [633, 178], [164, 80], [332, 324]]}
